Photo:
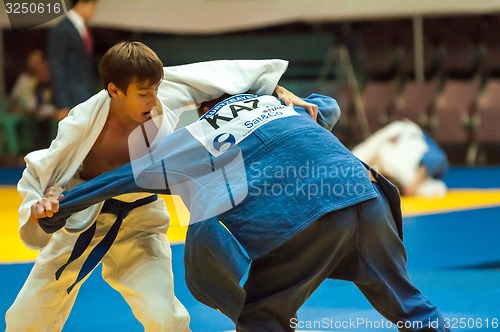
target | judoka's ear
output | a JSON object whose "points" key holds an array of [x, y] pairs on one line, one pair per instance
{"points": [[113, 90]]}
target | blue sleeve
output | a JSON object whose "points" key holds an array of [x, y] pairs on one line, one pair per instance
{"points": [[328, 109]]}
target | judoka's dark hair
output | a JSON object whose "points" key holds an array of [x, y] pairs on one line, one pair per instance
{"points": [[208, 104], [128, 62]]}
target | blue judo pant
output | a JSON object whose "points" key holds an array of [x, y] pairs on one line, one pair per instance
{"points": [[359, 244]]}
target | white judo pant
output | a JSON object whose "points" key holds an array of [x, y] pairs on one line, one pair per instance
{"points": [[138, 265]]}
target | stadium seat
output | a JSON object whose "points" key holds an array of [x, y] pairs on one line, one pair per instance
{"points": [[378, 51], [490, 59], [450, 114], [486, 119], [458, 45], [414, 102], [370, 110]]}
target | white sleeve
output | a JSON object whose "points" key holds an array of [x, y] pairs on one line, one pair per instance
{"points": [[30, 189], [185, 87], [58, 164]]}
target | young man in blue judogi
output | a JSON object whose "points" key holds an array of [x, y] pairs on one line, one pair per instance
{"points": [[293, 203]]}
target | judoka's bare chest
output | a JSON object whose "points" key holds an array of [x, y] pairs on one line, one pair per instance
{"points": [[110, 151]]}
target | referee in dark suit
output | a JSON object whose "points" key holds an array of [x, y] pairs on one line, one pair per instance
{"points": [[70, 55]]}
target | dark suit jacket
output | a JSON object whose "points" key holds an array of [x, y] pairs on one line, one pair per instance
{"points": [[73, 71]]}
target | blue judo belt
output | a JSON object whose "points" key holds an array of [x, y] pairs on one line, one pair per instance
{"points": [[120, 210]]}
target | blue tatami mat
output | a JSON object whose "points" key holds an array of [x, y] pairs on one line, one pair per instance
{"points": [[452, 258]]}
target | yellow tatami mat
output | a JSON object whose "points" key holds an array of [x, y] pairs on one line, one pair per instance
{"points": [[454, 200], [13, 250]]}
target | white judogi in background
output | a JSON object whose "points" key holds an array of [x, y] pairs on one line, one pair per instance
{"points": [[397, 151]]}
